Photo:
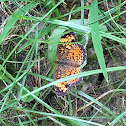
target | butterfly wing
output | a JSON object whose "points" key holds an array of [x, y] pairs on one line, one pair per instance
{"points": [[63, 71], [71, 53]]}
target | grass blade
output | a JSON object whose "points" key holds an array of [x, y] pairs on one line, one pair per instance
{"points": [[96, 37]]}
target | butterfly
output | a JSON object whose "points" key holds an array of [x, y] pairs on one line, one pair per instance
{"points": [[69, 58]]}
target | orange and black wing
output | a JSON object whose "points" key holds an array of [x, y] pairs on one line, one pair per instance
{"points": [[63, 71]]}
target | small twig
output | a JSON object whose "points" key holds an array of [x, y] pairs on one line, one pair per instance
{"points": [[86, 37], [90, 103], [39, 79]]}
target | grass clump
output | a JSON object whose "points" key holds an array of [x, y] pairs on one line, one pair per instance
{"points": [[29, 34]]}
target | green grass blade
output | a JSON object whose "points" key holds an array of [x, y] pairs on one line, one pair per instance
{"points": [[92, 72], [117, 118], [71, 118], [82, 29], [96, 37]]}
